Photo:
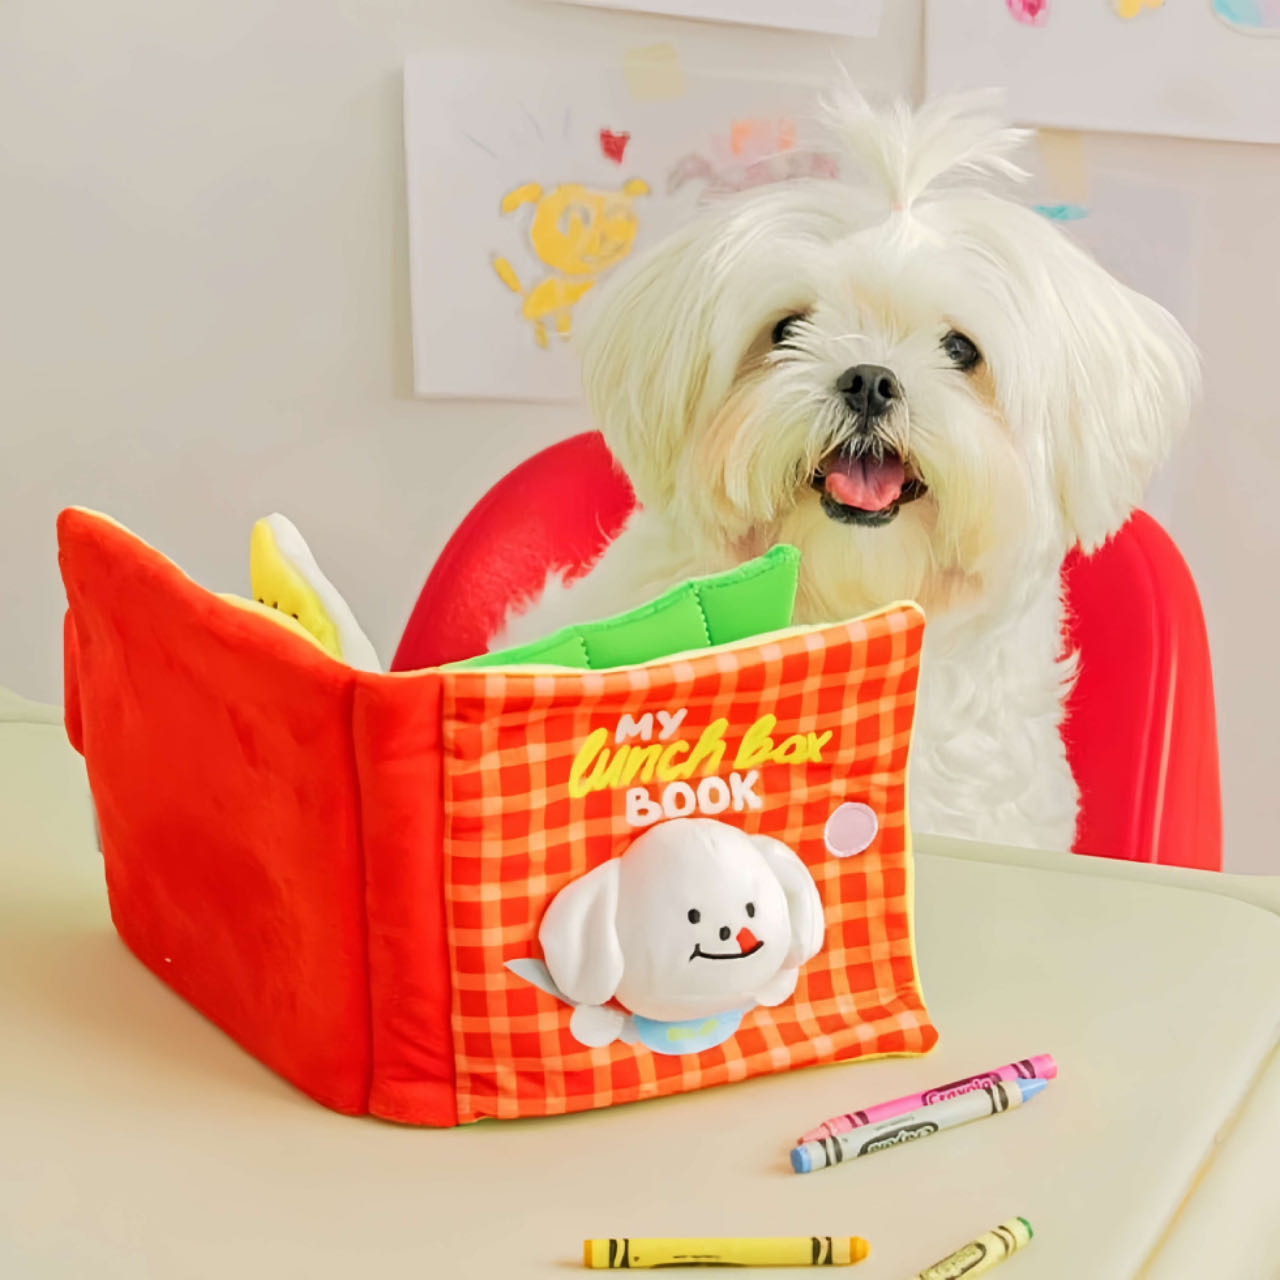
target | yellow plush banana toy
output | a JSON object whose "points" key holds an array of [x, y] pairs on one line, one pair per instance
{"points": [[286, 578]]}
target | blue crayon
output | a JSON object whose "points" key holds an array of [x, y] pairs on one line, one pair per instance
{"points": [[991, 1100]]}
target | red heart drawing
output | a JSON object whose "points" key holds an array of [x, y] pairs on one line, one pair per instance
{"points": [[1035, 13], [613, 144]]}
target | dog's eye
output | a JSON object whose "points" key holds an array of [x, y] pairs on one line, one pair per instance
{"points": [[694, 916], [784, 330], [960, 350], [751, 909]]}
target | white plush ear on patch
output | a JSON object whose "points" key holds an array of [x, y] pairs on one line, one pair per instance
{"points": [[597, 1026], [803, 903], [779, 988], [579, 936]]}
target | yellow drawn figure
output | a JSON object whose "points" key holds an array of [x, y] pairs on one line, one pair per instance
{"points": [[578, 233]]}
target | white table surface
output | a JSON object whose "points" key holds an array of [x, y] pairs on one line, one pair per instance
{"points": [[137, 1141]]}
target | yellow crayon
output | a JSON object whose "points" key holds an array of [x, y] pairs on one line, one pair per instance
{"points": [[773, 1251], [980, 1255]]}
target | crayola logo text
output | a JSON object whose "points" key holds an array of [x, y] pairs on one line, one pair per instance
{"points": [[908, 1133], [958, 1088], [959, 1264]]}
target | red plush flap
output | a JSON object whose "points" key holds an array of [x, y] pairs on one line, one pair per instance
{"points": [[220, 755]]}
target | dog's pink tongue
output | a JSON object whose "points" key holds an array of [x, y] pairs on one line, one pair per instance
{"points": [[865, 483]]}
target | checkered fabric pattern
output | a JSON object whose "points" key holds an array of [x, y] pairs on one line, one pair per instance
{"points": [[514, 837]]}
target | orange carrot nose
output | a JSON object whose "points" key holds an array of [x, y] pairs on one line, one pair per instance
{"points": [[746, 940]]}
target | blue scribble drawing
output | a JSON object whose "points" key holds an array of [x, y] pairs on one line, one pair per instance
{"points": [[1252, 17], [475, 142], [1061, 212]]}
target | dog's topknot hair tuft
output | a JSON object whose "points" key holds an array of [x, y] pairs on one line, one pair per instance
{"points": [[945, 143]]}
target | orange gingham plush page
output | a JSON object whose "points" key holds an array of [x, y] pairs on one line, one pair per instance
{"points": [[514, 837]]}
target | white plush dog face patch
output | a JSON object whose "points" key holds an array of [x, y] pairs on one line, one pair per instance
{"points": [[702, 921], [696, 918]]}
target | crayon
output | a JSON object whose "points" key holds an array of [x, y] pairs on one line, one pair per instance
{"points": [[982, 1254], [992, 1099], [1042, 1067], [780, 1251]]}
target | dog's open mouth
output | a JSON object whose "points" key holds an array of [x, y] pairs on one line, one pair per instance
{"points": [[866, 483]]}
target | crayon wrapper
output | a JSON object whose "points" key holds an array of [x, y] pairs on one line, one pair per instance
{"points": [[980, 1255], [624, 1253], [1042, 1066]]}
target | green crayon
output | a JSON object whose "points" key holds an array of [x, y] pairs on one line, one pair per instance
{"points": [[980, 1255]]}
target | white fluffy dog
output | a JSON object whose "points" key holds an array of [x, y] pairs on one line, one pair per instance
{"points": [[926, 388]]}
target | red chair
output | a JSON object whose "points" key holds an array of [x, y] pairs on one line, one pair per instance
{"points": [[1140, 730], [557, 510]]}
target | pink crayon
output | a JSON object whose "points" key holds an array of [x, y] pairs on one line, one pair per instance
{"points": [[1041, 1067]]}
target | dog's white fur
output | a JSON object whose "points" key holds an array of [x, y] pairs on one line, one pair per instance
{"points": [[1048, 442]]}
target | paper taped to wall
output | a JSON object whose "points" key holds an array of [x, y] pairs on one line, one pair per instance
{"points": [[529, 183], [837, 17], [1132, 66]]}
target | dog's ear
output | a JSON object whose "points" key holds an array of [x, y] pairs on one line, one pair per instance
{"points": [[579, 936], [1121, 394], [804, 906], [645, 358]]}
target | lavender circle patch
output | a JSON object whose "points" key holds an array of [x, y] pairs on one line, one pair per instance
{"points": [[850, 829]]}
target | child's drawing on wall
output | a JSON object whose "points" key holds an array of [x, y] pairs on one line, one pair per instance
{"points": [[1252, 17], [531, 182], [577, 232]]}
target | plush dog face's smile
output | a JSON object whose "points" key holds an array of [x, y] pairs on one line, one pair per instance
{"points": [[748, 945], [747, 942]]}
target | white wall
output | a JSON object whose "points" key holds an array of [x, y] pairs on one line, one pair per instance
{"points": [[204, 278], [204, 312], [1224, 503]]}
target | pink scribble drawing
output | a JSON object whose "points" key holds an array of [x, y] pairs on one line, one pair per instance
{"points": [[1035, 13], [754, 153]]}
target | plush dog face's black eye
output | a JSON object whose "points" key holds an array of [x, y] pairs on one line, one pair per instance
{"points": [[694, 916], [961, 351], [751, 909], [784, 330]]}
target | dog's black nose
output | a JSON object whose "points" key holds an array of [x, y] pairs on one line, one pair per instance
{"points": [[869, 390], [724, 932]]}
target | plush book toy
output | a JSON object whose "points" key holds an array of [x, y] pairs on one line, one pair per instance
{"points": [[652, 854]]}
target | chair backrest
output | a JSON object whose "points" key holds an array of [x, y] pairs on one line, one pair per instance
{"points": [[556, 512], [1140, 732]]}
